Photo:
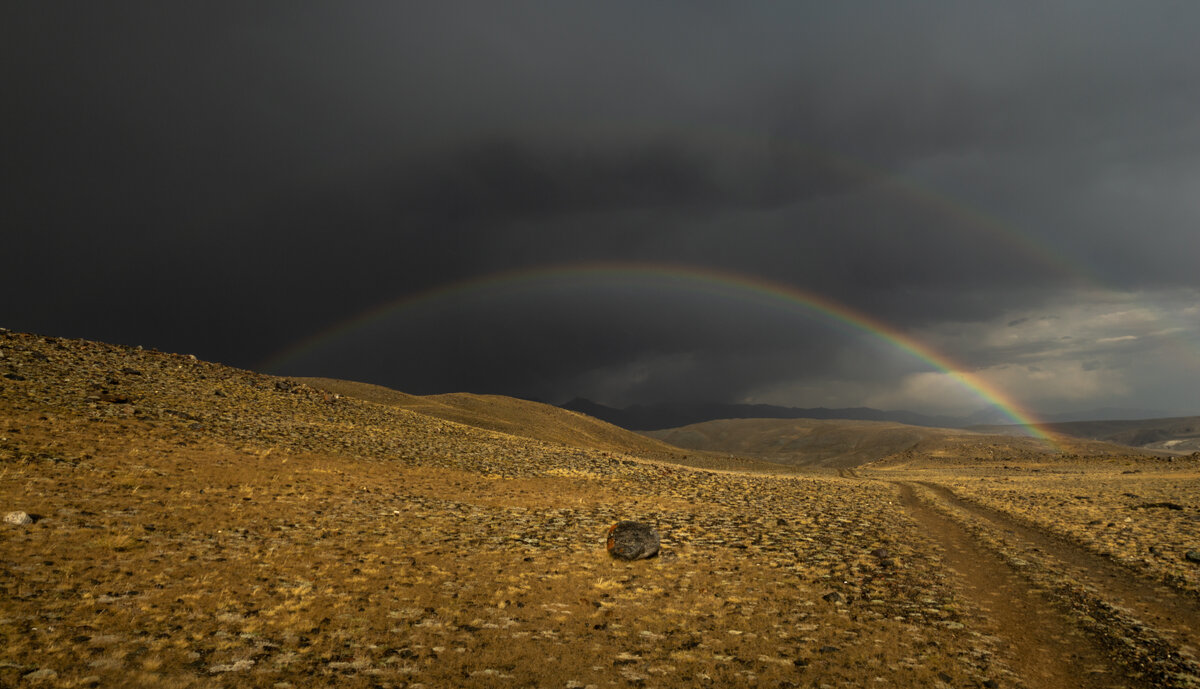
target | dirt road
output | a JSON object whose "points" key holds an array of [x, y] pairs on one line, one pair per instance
{"points": [[1066, 617]]}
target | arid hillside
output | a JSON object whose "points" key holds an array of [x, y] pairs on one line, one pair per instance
{"points": [[1179, 435], [176, 523], [537, 421], [505, 415], [845, 443]]}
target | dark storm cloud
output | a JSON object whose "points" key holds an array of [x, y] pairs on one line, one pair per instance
{"points": [[228, 178], [501, 179]]}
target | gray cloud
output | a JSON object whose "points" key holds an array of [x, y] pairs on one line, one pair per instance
{"points": [[230, 179]]}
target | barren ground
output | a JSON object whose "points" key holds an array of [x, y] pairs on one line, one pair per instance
{"points": [[202, 526]]}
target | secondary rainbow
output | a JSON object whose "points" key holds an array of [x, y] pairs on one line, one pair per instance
{"points": [[690, 278]]}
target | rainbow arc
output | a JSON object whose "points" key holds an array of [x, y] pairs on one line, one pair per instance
{"points": [[693, 278]]}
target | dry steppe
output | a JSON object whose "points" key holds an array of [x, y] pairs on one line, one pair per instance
{"points": [[201, 526], [841, 443]]}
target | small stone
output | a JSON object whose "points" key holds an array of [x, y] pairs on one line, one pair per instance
{"points": [[629, 540], [833, 597], [43, 675], [239, 666], [1193, 556], [881, 553], [18, 518], [1160, 505]]}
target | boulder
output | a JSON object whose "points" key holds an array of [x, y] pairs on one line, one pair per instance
{"points": [[632, 541]]}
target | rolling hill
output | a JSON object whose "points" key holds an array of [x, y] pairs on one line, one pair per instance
{"points": [[1177, 435], [537, 421], [504, 415], [844, 444], [654, 417]]}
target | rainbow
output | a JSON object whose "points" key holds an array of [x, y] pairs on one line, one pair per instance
{"points": [[694, 279]]}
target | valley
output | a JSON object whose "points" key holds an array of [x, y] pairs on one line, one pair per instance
{"points": [[195, 525]]}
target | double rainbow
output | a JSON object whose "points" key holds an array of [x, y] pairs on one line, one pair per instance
{"points": [[693, 279]]}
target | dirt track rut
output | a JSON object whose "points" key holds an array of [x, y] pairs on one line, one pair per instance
{"points": [[1042, 645], [1173, 614]]}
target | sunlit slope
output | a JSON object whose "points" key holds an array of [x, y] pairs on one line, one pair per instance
{"points": [[517, 417]]}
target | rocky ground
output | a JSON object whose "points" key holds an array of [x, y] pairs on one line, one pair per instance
{"points": [[196, 525], [202, 526]]}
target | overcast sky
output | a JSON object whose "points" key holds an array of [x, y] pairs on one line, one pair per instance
{"points": [[1014, 185]]}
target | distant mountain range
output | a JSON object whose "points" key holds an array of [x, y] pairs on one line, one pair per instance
{"points": [[660, 416]]}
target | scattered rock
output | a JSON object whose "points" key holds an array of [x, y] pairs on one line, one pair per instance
{"points": [[239, 666], [632, 540], [43, 675], [1193, 556], [834, 597], [18, 518], [881, 553], [1164, 505]]}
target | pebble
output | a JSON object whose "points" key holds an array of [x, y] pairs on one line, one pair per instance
{"points": [[43, 675], [239, 666]]}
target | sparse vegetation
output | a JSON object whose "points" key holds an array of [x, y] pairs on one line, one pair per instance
{"points": [[272, 535]]}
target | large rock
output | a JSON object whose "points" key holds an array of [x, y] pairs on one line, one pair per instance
{"points": [[18, 518], [632, 541]]}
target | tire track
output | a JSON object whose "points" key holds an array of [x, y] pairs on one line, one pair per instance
{"points": [[1042, 643], [1173, 615]]}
